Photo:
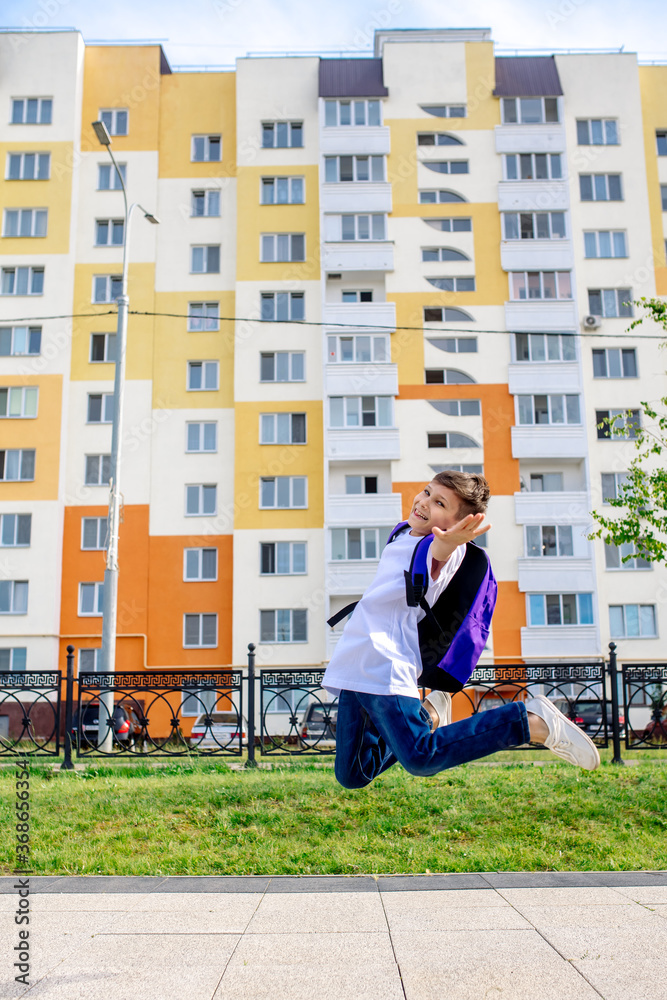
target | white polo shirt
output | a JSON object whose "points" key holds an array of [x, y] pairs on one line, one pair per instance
{"points": [[378, 651]]}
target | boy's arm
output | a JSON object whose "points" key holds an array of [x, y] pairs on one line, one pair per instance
{"points": [[446, 542]]}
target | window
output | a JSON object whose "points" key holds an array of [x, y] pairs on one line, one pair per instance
{"points": [[605, 243], [107, 287], [610, 302], [17, 465], [206, 148], [13, 658], [545, 347], [456, 345], [203, 376], [358, 348], [447, 166], [281, 366], [453, 284], [442, 253], [203, 316], [115, 119], [548, 540], [600, 187], [88, 660], [91, 596], [282, 558], [200, 564], [612, 483], [93, 532], [529, 110], [439, 197], [540, 285], [351, 113], [446, 376], [533, 167], [358, 543], [205, 203], [32, 110], [109, 232], [361, 485], [450, 439], [98, 468], [282, 492], [281, 135], [624, 421], [597, 132], [200, 631], [624, 557], [357, 296], [28, 166], [363, 227], [663, 196], [195, 701], [553, 409], [107, 176], [534, 225], [205, 259], [283, 625], [280, 307], [100, 408], [361, 411], [19, 401], [283, 191], [458, 467], [283, 247], [200, 499], [25, 222], [202, 437], [615, 362], [102, 347], [457, 407], [282, 428], [22, 281], [353, 168], [632, 621], [445, 110], [19, 340], [546, 482], [661, 141], [13, 597], [445, 314], [560, 609], [15, 530], [458, 224], [438, 139]]}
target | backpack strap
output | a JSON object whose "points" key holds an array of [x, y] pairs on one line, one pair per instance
{"points": [[343, 613], [396, 531], [416, 578]]}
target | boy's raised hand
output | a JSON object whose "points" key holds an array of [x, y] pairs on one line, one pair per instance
{"points": [[466, 530]]}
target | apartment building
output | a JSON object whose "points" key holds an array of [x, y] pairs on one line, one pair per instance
{"points": [[364, 273]]}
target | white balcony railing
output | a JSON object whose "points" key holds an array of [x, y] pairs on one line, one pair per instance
{"points": [[350, 139], [358, 255], [551, 508], [566, 641], [349, 576], [549, 441], [363, 444], [363, 196], [533, 196], [344, 379], [371, 509], [546, 138], [536, 255], [541, 314], [558, 574], [363, 314], [544, 376]]}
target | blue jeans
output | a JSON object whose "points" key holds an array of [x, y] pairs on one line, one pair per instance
{"points": [[374, 731]]}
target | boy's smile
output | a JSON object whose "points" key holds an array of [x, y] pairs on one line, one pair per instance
{"points": [[436, 506]]}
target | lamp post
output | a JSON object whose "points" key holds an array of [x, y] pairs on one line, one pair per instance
{"points": [[110, 593]]}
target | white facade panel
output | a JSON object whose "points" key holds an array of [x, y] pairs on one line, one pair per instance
{"points": [[352, 379], [547, 138], [355, 511], [533, 196], [39, 565], [549, 315], [548, 376], [536, 255], [360, 197], [544, 441], [363, 444], [361, 256], [559, 642], [346, 140]]}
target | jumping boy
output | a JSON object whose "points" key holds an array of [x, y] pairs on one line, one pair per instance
{"points": [[377, 663]]}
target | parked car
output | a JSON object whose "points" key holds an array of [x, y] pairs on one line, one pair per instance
{"points": [[319, 724], [126, 725], [216, 730], [588, 715]]}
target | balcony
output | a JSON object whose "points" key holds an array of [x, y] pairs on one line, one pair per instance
{"points": [[541, 314], [349, 576], [562, 641], [549, 441], [360, 197], [551, 508], [547, 138], [363, 444], [350, 139], [544, 376], [533, 196], [536, 255], [364, 314], [354, 510], [358, 255], [353, 380], [558, 574]]}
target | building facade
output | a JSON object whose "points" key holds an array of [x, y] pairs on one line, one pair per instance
{"points": [[362, 275]]}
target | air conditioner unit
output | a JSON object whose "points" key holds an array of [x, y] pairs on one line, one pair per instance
{"points": [[591, 322]]}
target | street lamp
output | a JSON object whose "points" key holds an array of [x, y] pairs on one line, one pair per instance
{"points": [[110, 593]]}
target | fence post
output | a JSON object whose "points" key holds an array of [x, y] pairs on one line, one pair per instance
{"points": [[67, 764], [615, 723], [251, 762]]}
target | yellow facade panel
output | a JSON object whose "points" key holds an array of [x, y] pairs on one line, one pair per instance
{"points": [[123, 77], [197, 104], [41, 433], [55, 195], [653, 89]]}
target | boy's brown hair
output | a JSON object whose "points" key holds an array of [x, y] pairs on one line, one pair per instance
{"points": [[471, 489]]}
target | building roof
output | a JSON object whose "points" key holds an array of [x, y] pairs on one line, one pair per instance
{"points": [[351, 78], [527, 76]]}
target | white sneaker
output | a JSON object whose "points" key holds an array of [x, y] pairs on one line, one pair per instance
{"points": [[565, 739], [441, 701]]}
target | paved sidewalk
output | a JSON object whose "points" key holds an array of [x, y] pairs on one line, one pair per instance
{"points": [[512, 936]]}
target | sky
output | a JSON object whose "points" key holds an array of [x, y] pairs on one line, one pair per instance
{"points": [[217, 32]]}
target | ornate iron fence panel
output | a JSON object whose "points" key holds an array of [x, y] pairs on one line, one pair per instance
{"points": [[296, 716], [645, 705], [30, 701], [148, 716]]}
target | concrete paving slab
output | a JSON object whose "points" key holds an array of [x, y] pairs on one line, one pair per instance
{"points": [[304, 983], [183, 921], [79, 902], [645, 894], [644, 941], [322, 883], [430, 912], [572, 896], [609, 917], [489, 983], [623, 980], [462, 897], [243, 904], [321, 912], [328, 951]]}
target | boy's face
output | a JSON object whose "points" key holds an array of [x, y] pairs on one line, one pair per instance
{"points": [[436, 506]]}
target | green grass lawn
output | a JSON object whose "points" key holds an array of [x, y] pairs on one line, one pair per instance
{"points": [[205, 819]]}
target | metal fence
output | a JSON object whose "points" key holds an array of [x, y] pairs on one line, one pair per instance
{"points": [[178, 713]]}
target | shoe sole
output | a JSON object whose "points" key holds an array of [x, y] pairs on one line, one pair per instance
{"points": [[569, 725], [447, 710]]}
